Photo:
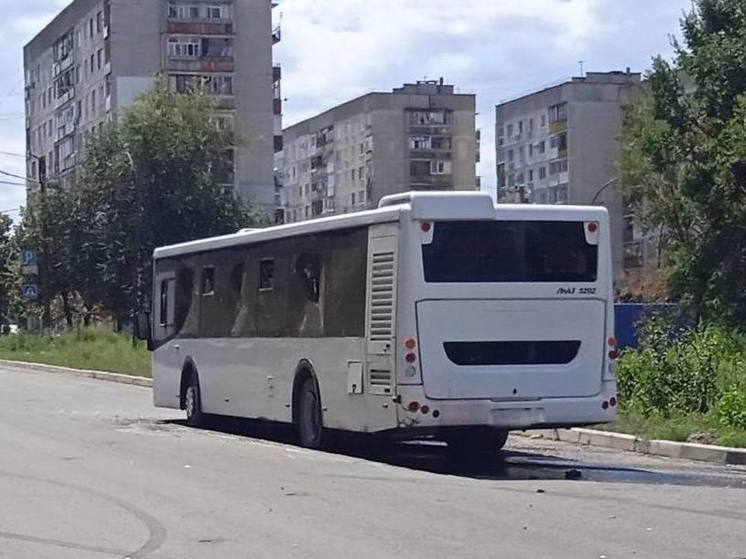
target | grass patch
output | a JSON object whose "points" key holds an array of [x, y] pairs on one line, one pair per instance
{"points": [[86, 348], [699, 428]]}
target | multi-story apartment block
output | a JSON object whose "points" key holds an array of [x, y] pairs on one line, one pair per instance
{"points": [[561, 146], [418, 137], [96, 56]]}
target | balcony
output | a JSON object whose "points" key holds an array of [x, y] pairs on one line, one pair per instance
{"points": [[277, 106], [276, 73], [62, 65], [278, 144], [200, 28], [558, 126], [64, 98], [201, 64], [107, 31], [276, 35]]}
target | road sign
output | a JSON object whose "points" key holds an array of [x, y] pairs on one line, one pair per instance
{"points": [[30, 291], [29, 258]]}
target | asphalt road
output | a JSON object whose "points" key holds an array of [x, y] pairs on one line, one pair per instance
{"points": [[89, 469]]}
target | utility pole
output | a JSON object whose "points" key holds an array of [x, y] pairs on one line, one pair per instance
{"points": [[46, 317]]}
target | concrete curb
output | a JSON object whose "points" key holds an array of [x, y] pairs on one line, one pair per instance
{"points": [[98, 375], [631, 443]]}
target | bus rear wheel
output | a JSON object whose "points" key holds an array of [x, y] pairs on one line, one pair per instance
{"points": [[310, 420], [471, 441]]}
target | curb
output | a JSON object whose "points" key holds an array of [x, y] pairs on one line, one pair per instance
{"points": [[631, 443], [98, 375]]}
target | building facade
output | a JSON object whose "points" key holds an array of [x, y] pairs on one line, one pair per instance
{"points": [[97, 56], [418, 137], [561, 146]]}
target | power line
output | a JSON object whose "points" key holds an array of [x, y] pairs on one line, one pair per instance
{"points": [[7, 174], [12, 183], [11, 210], [11, 154]]}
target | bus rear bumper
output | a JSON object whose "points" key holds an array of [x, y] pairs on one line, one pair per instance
{"points": [[507, 414]]}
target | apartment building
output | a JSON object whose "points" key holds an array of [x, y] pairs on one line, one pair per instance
{"points": [[97, 56], [420, 136], [560, 145]]}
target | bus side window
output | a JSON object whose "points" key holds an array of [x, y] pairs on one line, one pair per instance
{"points": [[266, 274], [166, 302], [208, 280], [308, 269]]}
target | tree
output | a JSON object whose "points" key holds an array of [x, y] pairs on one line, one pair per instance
{"points": [[685, 155], [156, 177], [9, 277]]}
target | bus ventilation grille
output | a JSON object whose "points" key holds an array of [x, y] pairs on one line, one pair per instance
{"points": [[379, 380], [382, 297]]}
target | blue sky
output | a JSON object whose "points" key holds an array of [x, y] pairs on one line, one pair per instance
{"points": [[334, 50]]}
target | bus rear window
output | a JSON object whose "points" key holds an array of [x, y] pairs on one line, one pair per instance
{"points": [[509, 251]]}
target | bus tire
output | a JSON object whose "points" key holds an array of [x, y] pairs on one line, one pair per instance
{"points": [[193, 401], [475, 441], [310, 419]]}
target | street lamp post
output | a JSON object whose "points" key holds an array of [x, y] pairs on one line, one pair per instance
{"points": [[606, 185]]}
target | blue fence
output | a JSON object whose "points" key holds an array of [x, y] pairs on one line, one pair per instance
{"points": [[629, 316]]}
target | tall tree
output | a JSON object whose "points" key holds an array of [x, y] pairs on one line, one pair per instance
{"points": [[9, 280], [684, 152], [156, 177]]}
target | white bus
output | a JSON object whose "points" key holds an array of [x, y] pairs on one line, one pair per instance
{"points": [[437, 315]]}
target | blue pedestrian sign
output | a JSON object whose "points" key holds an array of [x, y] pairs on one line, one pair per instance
{"points": [[30, 291], [29, 258]]}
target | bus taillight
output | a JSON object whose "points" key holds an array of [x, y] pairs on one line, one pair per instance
{"points": [[592, 227], [410, 357], [410, 343]]}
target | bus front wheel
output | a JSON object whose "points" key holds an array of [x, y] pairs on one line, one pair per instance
{"points": [[310, 419], [193, 402]]}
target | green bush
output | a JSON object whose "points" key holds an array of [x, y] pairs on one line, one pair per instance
{"points": [[693, 379], [732, 408]]}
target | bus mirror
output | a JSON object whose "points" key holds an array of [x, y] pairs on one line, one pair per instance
{"points": [[143, 326]]}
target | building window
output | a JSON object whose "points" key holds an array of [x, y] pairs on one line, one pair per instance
{"points": [[440, 143], [352, 198], [440, 167], [530, 150], [558, 166], [542, 146], [423, 118], [100, 22], [188, 47], [542, 173], [520, 127], [100, 58], [544, 123], [530, 124], [511, 155], [558, 113], [183, 11], [215, 12], [530, 175], [510, 130]]}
